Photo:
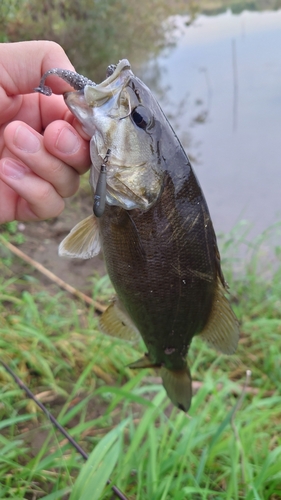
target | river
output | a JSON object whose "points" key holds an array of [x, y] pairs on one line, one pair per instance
{"points": [[220, 85]]}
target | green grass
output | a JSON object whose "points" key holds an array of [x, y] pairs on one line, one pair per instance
{"points": [[228, 447]]}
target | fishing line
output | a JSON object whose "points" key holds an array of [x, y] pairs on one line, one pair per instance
{"points": [[100, 193], [72, 441]]}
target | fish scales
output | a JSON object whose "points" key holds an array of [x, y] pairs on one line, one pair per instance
{"points": [[151, 261], [154, 228]]}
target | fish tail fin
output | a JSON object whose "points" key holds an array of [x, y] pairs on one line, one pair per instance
{"points": [[178, 386]]}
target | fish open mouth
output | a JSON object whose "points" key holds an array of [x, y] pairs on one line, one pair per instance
{"points": [[108, 98], [98, 95]]}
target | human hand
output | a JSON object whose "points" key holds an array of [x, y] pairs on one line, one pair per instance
{"points": [[36, 171]]}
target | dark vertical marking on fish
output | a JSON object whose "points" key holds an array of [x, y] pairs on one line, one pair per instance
{"points": [[136, 91]]}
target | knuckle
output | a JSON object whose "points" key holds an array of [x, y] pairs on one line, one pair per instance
{"points": [[69, 188], [48, 207], [46, 192], [57, 167], [53, 47]]}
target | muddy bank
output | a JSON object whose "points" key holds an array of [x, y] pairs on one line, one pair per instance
{"points": [[43, 238]]}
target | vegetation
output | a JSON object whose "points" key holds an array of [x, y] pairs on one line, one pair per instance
{"points": [[95, 33], [228, 447], [213, 7]]}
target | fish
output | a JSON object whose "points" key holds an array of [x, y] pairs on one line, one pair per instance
{"points": [[151, 222]]}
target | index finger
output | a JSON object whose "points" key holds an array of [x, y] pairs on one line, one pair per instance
{"points": [[22, 66], [24, 63]]}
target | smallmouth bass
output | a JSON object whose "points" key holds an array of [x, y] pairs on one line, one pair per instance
{"points": [[152, 223]]}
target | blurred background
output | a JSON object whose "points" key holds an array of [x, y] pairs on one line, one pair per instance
{"points": [[215, 67]]}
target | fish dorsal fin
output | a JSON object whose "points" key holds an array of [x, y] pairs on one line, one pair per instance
{"points": [[222, 329], [116, 322], [83, 241]]}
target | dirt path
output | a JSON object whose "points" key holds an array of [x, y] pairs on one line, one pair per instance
{"points": [[42, 240]]}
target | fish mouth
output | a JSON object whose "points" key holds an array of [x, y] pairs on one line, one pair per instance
{"points": [[95, 96], [98, 95], [88, 103], [121, 66], [76, 101], [77, 104], [131, 181]]}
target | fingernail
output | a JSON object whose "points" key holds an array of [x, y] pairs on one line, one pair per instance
{"points": [[25, 140], [67, 141], [13, 169]]}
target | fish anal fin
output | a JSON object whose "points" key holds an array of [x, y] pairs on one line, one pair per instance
{"points": [[178, 386], [83, 241], [222, 329], [144, 362], [116, 323]]}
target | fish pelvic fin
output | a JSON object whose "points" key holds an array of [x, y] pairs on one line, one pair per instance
{"points": [[178, 386], [83, 241], [116, 322], [222, 329]]}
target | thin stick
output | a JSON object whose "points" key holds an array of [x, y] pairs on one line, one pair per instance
{"points": [[72, 441], [99, 307], [232, 422], [242, 395]]}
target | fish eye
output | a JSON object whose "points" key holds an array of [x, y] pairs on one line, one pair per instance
{"points": [[141, 117]]}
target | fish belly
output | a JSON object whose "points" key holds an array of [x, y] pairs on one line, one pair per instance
{"points": [[162, 265]]}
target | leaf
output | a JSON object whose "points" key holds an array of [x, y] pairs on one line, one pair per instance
{"points": [[99, 478], [14, 420], [96, 471], [57, 495]]}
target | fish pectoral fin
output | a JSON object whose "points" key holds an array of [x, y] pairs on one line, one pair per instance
{"points": [[144, 362], [116, 322], [222, 329], [83, 241], [178, 386]]}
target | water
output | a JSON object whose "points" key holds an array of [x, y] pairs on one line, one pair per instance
{"points": [[225, 71]]}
